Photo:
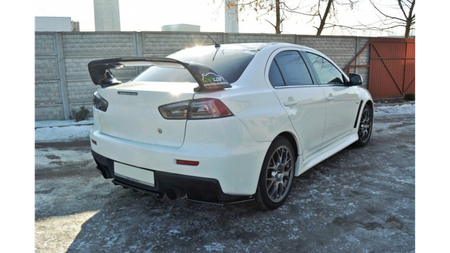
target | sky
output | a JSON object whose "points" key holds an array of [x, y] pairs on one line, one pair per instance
{"points": [[151, 15]]}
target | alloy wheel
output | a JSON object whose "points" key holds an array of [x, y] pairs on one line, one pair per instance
{"points": [[365, 127], [279, 174]]}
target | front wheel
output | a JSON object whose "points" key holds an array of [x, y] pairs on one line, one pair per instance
{"points": [[277, 173], [365, 126]]}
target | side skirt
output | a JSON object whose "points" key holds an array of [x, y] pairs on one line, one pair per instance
{"points": [[302, 166]]}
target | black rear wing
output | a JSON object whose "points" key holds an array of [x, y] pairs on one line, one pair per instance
{"points": [[207, 79]]}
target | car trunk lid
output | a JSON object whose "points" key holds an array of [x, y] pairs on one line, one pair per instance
{"points": [[133, 114]]}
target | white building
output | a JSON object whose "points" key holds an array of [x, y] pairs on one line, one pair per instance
{"points": [[181, 28], [52, 24]]}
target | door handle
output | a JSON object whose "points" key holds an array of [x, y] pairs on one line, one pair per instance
{"points": [[330, 97], [290, 103]]}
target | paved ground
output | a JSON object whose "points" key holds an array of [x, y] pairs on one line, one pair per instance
{"points": [[359, 200]]}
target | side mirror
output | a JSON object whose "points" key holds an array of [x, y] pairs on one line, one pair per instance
{"points": [[355, 79]]}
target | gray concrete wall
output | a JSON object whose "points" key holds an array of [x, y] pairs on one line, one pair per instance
{"points": [[62, 81]]}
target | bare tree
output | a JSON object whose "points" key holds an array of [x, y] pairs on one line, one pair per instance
{"points": [[267, 8], [262, 8], [275, 12], [282, 11], [323, 17], [407, 18], [328, 17]]}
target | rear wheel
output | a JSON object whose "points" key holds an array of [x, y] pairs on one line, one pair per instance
{"points": [[277, 173], [365, 126]]}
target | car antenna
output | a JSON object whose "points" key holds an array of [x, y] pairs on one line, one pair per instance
{"points": [[217, 45]]}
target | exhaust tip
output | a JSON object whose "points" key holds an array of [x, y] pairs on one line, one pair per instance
{"points": [[175, 193]]}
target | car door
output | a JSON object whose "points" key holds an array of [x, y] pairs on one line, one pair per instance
{"points": [[302, 99], [342, 100]]}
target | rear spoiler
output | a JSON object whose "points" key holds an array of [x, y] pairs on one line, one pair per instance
{"points": [[207, 79]]}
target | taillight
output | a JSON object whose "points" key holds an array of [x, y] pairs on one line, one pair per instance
{"points": [[175, 111], [206, 108], [99, 102]]}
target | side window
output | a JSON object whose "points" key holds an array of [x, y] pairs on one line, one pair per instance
{"points": [[288, 68], [327, 72], [275, 77]]}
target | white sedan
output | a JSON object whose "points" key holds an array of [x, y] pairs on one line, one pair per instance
{"points": [[225, 123]]}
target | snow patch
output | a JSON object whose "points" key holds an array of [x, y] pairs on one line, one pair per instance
{"points": [[62, 130], [407, 109]]}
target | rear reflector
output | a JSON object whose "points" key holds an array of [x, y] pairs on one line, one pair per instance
{"points": [[94, 142], [186, 162]]}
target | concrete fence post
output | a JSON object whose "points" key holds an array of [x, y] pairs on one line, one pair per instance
{"points": [[62, 75], [139, 45]]}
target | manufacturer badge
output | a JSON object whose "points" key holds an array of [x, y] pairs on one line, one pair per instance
{"points": [[128, 93]]}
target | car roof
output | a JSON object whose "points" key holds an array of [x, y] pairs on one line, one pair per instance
{"points": [[256, 46]]}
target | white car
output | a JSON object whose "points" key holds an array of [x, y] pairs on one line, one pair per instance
{"points": [[225, 123]]}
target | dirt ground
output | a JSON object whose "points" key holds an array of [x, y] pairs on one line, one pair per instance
{"points": [[359, 200]]}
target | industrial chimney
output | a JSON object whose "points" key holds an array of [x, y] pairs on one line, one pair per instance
{"points": [[107, 15], [231, 16]]}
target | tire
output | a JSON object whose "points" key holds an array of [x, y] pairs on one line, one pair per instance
{"points": [[277, 173], [365, 126]]}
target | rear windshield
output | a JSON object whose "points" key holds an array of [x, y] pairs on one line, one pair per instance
{"points": [[230, 63]]}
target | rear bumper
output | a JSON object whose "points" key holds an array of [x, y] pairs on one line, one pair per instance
{"points": [[229, 160], [196, 188]]}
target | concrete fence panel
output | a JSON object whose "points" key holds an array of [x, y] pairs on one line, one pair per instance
{"points": [[63, 84]]}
